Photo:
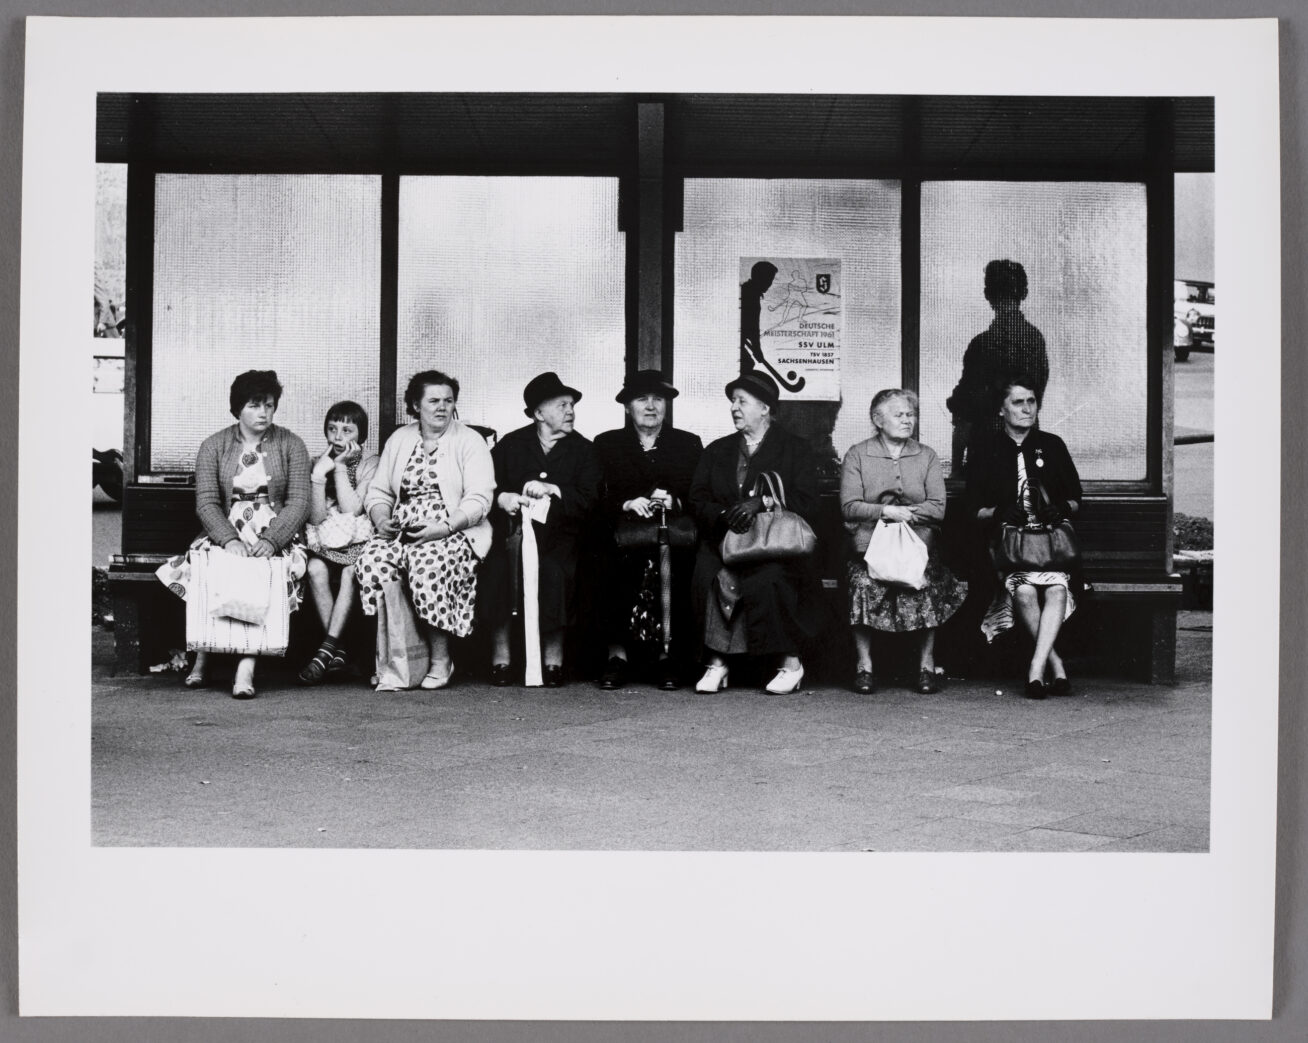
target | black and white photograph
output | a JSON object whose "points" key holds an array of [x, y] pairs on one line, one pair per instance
{"points": [[813, 477], [880, 546]]}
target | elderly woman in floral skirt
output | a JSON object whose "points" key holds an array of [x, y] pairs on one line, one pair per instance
{"points": [[892, 477]]}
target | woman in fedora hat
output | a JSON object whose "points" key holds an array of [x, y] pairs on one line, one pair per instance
{"points": [[768, 607], [547, 458], [646, 463]]}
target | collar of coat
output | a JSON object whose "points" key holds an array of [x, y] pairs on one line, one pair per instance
{"points": [[874, 446]]}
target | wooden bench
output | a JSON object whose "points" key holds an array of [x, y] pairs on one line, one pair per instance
{"points": [[158, 521], [1125, 624]]}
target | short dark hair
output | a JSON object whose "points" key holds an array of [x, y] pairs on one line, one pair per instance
{"points": [[348, 412], [1006, 384], [251, 385], [762, 270], [420, 382], [1005, 281]]}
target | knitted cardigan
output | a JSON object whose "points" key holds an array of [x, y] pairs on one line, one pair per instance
{"points": [[464, 471]]}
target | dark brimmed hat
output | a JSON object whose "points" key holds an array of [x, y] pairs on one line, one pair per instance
{"points": [[760, 385], [543, 388], [645, 382]]}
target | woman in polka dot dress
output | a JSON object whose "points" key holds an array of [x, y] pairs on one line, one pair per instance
{"points": [[428, 504]]}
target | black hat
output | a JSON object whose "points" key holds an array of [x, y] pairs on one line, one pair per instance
{"points": [[645, 382], [758, 384], [544, 387]]}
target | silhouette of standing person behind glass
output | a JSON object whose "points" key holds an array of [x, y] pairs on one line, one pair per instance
{"points": [[1009, 346], [751, 300]]}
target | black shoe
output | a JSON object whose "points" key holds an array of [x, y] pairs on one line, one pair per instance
{"points": [[1060, 686], [553, 676], [927, 683], [501, 675], [1035, 690], [615, 672], [863, 683], [668, 676]]}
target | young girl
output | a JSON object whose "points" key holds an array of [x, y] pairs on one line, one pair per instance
{"points": [[337, 529]]}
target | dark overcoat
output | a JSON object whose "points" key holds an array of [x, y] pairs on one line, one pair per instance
{"points": [[630, 472], [572, 465], [779, 600]]}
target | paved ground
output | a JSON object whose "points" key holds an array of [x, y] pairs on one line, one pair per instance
{"points": [[1116, 767]]}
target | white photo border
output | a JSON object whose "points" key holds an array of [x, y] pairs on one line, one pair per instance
{"points": [[668, 936]]}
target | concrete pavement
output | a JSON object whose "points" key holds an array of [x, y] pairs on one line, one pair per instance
{"points": [[1116, 767]]}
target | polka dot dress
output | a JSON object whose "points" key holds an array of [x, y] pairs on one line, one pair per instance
{"points": [[442, 574]]}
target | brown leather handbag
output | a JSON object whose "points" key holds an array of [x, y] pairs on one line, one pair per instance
{"points": [[775, 533]]}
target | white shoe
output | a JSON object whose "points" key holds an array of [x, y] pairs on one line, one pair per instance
{"points": [[787, 681], [714, 679], [435, 681]]}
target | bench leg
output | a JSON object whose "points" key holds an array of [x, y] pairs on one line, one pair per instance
{"points": [[1162, 646], [127, 634]]}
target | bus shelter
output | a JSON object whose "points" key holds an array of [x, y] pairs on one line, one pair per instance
{"points": [[348, 241]]}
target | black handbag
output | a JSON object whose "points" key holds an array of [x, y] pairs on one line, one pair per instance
{"points": [[643, 533], [1037, 547]]}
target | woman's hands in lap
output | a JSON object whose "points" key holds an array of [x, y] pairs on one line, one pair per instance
{"points": [[237, 547], [895, 513]]}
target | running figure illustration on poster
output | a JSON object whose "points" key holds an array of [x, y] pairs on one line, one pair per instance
{"points": [[794, 335]]}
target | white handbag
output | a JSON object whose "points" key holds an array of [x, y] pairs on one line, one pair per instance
{"points": [[897, 555]]}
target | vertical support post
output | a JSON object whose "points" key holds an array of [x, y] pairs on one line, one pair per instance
{"points": [[388, 330], [1160, 203], [138, 343], [910, 247], [650, 229]]}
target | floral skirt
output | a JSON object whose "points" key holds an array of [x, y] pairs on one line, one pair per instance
{"points": [[250, 519], [883, 606]]}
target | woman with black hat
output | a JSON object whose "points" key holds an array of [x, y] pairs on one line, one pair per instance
{"points": [[768, 607], [647, 464], [546, 459]]}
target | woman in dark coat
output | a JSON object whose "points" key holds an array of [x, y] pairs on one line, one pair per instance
{"points": [[646, 462], [545, 459], [771, 607], [1001, 484]]}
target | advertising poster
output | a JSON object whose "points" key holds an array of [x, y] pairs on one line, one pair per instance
{"points": [[790, 324]]}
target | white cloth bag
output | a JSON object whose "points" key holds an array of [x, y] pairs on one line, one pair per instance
{"points": [[897, 555], [537, 511], [240, 588], [206, 632]]}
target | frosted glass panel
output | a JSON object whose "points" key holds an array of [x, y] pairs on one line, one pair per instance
{"points": [[1083, 248], [502, 278], [725, 220], [262, 272]]}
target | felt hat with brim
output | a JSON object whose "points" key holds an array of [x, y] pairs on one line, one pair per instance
{"points": [[543, 388], [645, 382], [760, 385]]}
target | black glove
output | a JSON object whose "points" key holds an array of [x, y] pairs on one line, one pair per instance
{"points": [[1015, 515], [738, 516]]}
